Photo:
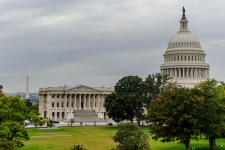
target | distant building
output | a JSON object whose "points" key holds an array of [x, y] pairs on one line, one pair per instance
{"points": [[184, 59], [60, 103]]}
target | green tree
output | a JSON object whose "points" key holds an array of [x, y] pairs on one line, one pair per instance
{"points": [[173, 115], [13, 112], [115, 106], [155, 84], [212, 112], [131, 137], [127, 102], [31, 106], [33, 115]]}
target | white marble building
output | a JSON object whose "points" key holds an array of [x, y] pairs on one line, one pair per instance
{"points": [[59, 103], [184, 59]]}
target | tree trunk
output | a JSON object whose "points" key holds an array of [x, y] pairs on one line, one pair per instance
{"points": [[214, 142], [187, 146], [211, 143]]}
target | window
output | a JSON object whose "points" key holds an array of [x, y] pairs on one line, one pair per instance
{"points": [[53, 96], [57, 104], [52, 104]]}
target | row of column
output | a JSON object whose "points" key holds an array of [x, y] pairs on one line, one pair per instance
{"points": [[184, 58], [77, 101], [192, 73]]}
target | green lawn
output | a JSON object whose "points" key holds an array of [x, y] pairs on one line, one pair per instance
{"points": [[94, 138]]}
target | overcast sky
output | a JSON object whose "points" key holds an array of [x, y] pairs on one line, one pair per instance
{"points": [[97, 42]]}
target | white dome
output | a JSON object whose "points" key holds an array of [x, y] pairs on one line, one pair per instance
{"points": [[184, 59], [184, 39]]}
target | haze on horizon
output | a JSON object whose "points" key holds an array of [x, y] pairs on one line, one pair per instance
{"points": [[97, 42]]}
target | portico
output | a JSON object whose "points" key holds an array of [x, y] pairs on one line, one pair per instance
{"points": [[59, 103]]}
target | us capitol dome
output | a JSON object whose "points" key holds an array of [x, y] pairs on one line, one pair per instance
{"points": [[184, 59]]}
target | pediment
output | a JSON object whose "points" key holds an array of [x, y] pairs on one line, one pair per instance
{"points": [[82, 88]]}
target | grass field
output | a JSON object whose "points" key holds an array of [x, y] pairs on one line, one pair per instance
{"points": [[95, 138]]}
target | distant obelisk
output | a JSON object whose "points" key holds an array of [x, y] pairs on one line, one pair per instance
{"points": [[27, 88]]}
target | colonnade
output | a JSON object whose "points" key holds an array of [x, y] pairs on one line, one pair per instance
{"points": [[169, 58], [77, 101], [186, 72]]}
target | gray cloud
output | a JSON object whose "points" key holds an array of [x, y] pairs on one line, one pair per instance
{"points": [[98, 42]]}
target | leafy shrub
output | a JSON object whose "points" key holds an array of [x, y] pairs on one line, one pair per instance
{"points": [[7, 145], [78, 147]]}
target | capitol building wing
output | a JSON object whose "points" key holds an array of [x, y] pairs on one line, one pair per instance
{"points": [[60, 103], [184, 59]]}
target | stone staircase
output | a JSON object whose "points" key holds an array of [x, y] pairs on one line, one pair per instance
{"points": [[82, 115]]}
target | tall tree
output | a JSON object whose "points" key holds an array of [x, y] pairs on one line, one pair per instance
{"points": [[131, 137], [13, 112], [127, 102], [173, 115], [114, 106], [212, 112], [155, 84]]}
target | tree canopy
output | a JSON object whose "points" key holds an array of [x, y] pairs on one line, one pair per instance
{"points": [[180, 113], [212, 112], [155, 84], [131, 137], [13, 112], [173, 115], [128, 100]]}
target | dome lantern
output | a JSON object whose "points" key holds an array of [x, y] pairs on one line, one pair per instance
{"points": [[183, 22]]}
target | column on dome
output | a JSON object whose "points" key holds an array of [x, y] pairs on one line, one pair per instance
{"points": [[175, 69], [202, 73], [179, 69], [178, 72], [206, 73], [195, 75], [197, 72], [187, 73], [183, 73]]}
